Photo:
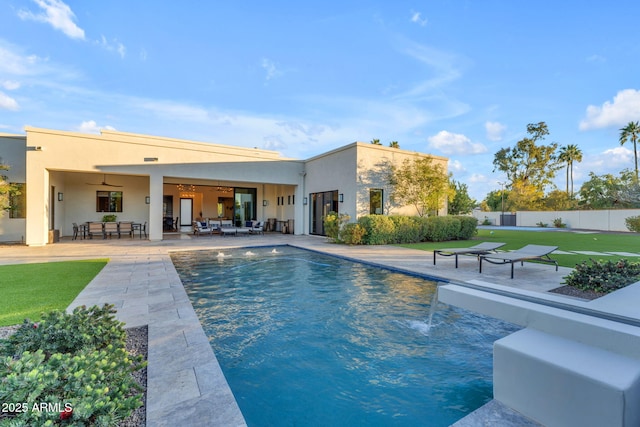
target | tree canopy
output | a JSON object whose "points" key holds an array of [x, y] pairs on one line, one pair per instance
{"points": [[609, 191], [461, 202], [631, 132], [6, 189], [529, 166], [420, 183]]}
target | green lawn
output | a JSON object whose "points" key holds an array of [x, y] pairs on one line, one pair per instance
{"points": [[27, 290], [565, 240]]}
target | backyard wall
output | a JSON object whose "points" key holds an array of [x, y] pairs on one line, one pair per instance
{"points": [[602, 220]]}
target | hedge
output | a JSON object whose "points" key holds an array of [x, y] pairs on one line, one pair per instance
{"points": [[380, 230]]}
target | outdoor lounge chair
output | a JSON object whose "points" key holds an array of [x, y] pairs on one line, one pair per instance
{"points": [[201, 228], [527, 253], [256, 228], [479, 249]]}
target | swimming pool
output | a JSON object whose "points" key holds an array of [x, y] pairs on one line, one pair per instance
{"points": [[307, 339]]}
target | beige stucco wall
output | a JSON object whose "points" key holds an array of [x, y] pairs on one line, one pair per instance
{"points": [[355, 169], [122, 157], [151, 166], [374, 162]]}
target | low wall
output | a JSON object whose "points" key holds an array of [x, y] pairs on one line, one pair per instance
{"points": [[567, 366], [602, 220]]}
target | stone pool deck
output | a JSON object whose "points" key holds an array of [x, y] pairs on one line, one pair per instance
{"points": [[185, 382]]}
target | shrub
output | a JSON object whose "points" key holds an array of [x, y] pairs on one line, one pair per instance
{"points": [[468, 227], [407, 229], [109, 218], [542, 224], [441, 228], [633, 223], [558, 223], [352, 233], [59, 332], [81, 375], [333, 223], [379, 229], [603, 276]]}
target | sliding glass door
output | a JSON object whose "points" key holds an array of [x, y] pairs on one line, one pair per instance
{"points": [[321, 205]]}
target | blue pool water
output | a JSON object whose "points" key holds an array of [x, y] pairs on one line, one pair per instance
{"points": [[306, 339]]}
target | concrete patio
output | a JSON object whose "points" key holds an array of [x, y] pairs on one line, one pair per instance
{"points": [[185, 381]]}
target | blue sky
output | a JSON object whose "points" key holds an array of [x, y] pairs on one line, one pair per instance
{"points": [[460, 79]]}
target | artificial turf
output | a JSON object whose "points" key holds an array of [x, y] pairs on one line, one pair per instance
{"points": [[28, 290], [566, 240]]}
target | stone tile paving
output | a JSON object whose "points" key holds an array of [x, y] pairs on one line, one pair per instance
{"points": [[185, 383]]}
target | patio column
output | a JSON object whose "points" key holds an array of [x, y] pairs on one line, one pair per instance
{"points": [[155, 206]]}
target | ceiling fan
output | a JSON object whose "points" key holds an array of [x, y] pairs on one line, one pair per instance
{"points": [[104, 182]]}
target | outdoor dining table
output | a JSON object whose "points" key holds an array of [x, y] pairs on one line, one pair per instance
{"points": [[84, 228]]}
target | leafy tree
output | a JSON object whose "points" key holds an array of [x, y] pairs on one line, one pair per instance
{"points": [[461, 203], [599, 191], [569, 154], [525, 196], [394, 144], [530, 167], [558, 200], [376, 142], [631, 132], [6, 189], [419, 183], [608, 191], [494, 201]]}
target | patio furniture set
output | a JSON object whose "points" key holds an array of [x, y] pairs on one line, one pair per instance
{"points": [[487, 251], [226, 227], [108, 229]]}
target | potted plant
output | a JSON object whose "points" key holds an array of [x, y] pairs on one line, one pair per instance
{"points": [[109, 218]]}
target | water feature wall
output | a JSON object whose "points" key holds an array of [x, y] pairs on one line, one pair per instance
{"points": [[565, 368]]}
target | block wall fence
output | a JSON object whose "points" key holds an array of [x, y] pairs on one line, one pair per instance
{"points": [[601, 220]]}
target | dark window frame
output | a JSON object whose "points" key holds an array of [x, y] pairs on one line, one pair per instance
{"points": [[109, 201]]}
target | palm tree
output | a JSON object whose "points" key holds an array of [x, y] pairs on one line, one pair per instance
{"points": [[394, 144], [631, 132], [569, 154], [376, 141]]}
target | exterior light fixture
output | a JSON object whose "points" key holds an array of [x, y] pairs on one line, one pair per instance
{"points": [[265, 203], [147, 200], [341, 197], [305, 200], [60, 197]]}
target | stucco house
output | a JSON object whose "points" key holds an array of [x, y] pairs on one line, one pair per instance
{"points": [[69, 177]]}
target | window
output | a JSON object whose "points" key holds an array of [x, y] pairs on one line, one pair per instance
{"points": [[18, 200], [108, 201], [375, 201]]}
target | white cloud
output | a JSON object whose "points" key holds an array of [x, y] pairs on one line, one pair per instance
{"points": [[8, 103], [10, 85], [454, 143], [416, 18], [624, 108], [444, 67], [270, 67], [456, 166], [58, 15], [114, 46], [12, 62], [90, 126], [478, 177], [616, 157], [494, 130]]}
